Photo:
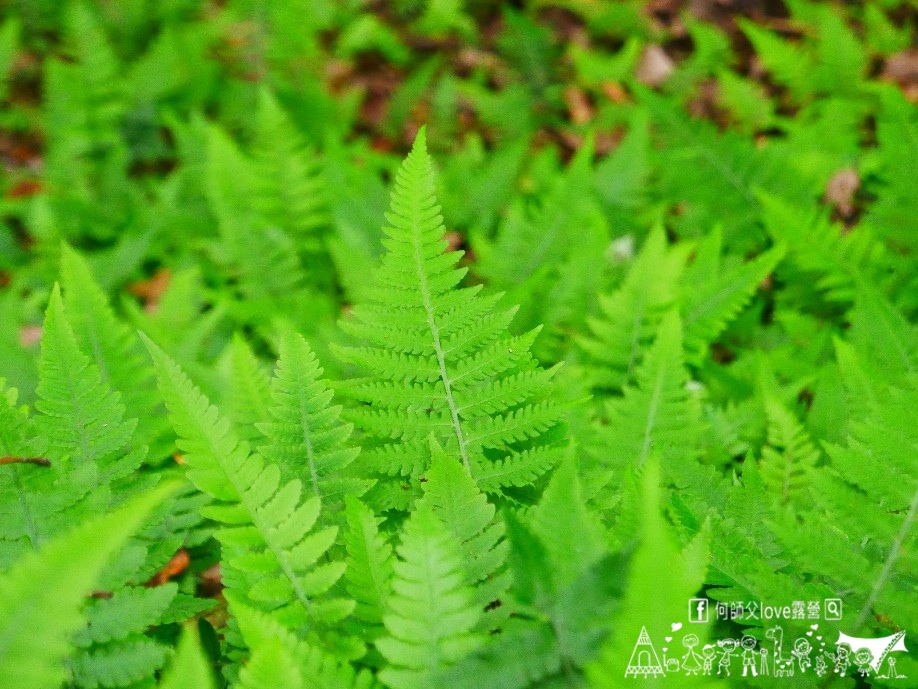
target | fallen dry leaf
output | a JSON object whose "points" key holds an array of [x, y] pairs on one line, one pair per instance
{"points": [[29, 335], [578, 104], [152, 289], [654, 67], [178, 564], [902, 68], [840, 190]]}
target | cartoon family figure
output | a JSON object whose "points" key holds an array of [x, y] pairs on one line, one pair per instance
{"points": [[691, 663], [841, 659], [801, 652], [757, 660]]}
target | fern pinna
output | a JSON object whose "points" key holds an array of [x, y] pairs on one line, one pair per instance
{"points": [[439, 359]]}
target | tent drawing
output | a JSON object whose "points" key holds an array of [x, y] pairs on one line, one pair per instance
{"points": [[644, 660], [879, 647]]}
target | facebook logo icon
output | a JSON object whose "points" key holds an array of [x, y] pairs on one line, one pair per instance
{"points": [[698, 609]]}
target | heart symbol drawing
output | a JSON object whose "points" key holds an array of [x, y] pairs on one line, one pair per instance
{"points": [[676, 626], [814, 626], [809, 633], [668, 639], [819, 637]]}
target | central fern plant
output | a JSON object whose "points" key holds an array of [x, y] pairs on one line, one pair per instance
{"points": [[438, 360]]}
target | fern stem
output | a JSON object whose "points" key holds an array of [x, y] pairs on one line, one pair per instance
{"points": [[438, 348], [652, 416], [307, 440], [890, 562], [37, 461]]}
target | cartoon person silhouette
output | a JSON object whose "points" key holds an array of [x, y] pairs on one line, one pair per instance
{"points": [[708, 652], [820, 666], [728, 648], [749, 655], [863, 658], [801, 652], [841, 658], [691, 663]]}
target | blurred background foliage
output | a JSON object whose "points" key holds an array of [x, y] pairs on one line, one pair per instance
{"points": [[223, 165]]}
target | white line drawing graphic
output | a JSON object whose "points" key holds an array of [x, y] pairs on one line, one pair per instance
{"points": [[784, 665], [644, 659], [750, 655], [879, 648], [801, 652], [728, 647], [691, 663]]}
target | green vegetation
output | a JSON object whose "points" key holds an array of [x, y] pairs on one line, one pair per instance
{"points": [[576, 311]]}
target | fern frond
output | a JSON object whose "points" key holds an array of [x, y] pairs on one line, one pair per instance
{"points": [[289, 187], [629, 317], [789, 455], [453, 497], [838, 259], [123, 665], [189, 668], [431, 615], [442, 358], [660, 580], [860, 535], [250, 391], [37, 620], [306, 437], [129, 610], [710, 300], [272, 278], [270, 549], [886, 341], [369, 567], [81, 418], [280, 659], [115, 350], [897, 130], [564, 588], [715, 175], [657, 415]]}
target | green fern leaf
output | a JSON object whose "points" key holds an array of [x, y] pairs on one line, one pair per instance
{"points": [[37, 620], [712, 298], [660, 581], [122, 666], [250, 391], [115, 350], [658, 415], [189, 667], [860, 535], [369, 567], [431, 613], [306, 437], [440, 360], [629, 317], [789, 454], [82, 420], [131, 609], [280, 659], [891, 216], [289, 187], [270, 554], [451, 494]]}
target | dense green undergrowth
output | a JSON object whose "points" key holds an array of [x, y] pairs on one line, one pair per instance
{"points": [[290, 401]]}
